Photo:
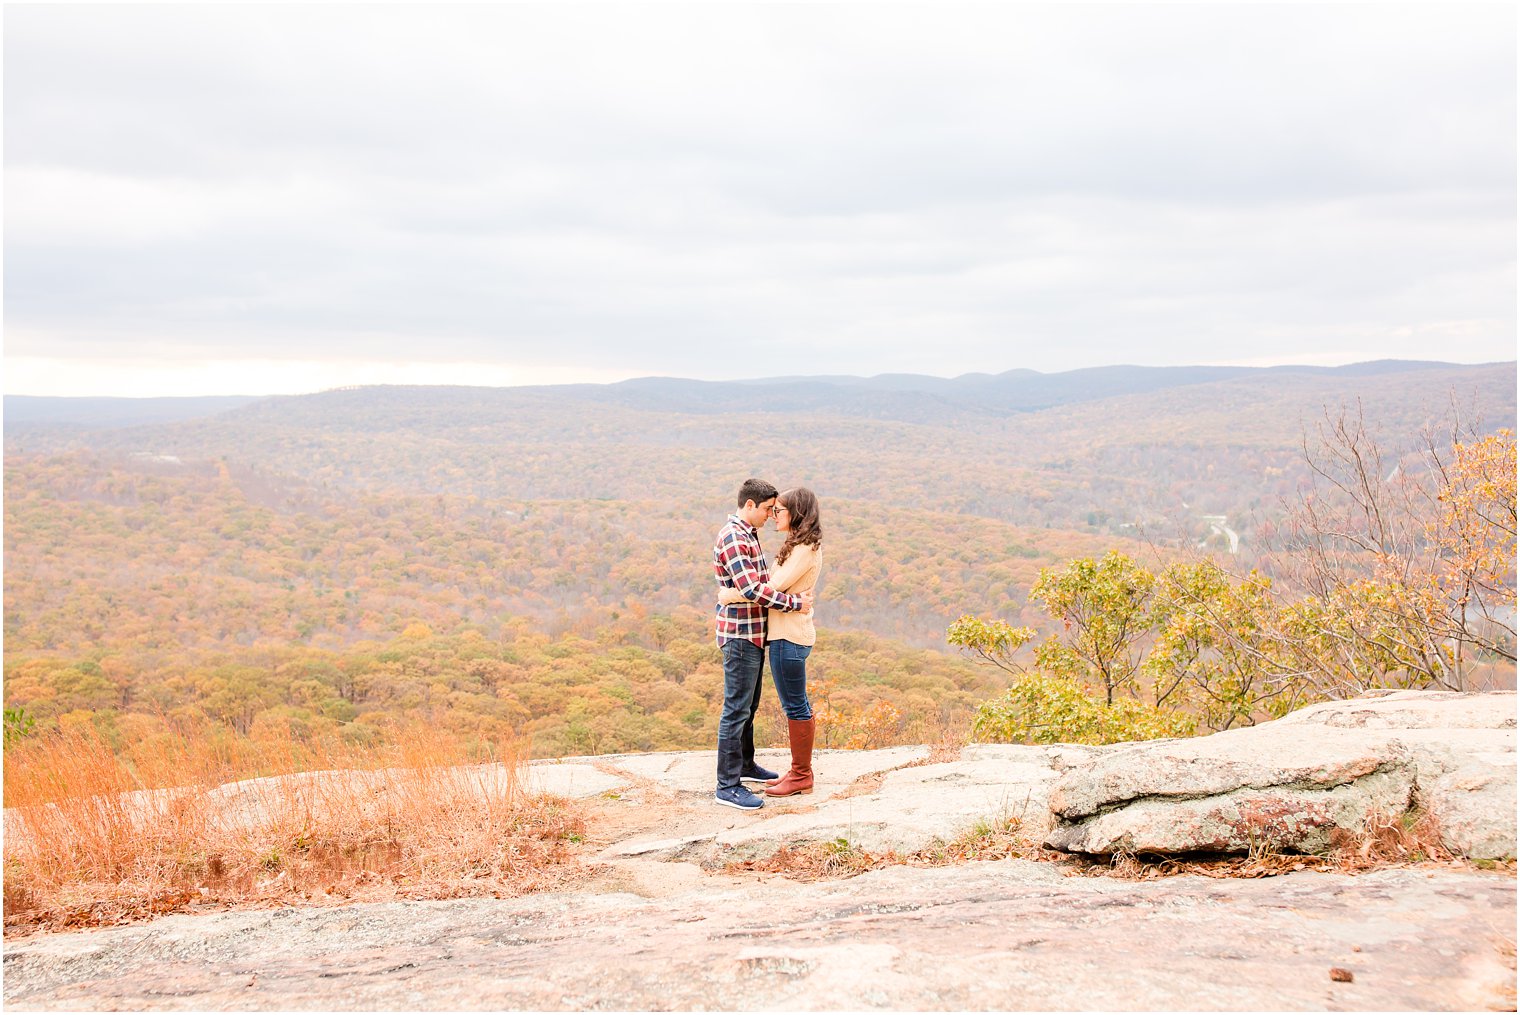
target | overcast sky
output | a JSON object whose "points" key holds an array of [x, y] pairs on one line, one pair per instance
{"points": [[217, 200]]}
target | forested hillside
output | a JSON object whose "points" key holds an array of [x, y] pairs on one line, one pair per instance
{"points": [[537, 560], [143, 554]]}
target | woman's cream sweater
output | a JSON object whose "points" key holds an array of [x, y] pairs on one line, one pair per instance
{"points": [[798, 575]]}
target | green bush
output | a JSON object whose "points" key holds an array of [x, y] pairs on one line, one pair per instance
{"points": [[17, 725], [1042, 709]]}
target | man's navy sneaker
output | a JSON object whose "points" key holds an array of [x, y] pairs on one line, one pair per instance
{"points": [[738, 796], [754, 773]]}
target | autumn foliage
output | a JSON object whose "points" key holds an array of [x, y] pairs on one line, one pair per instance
{"points": [[1407, 583]]}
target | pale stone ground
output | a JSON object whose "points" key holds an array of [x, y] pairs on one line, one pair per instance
{"points": [[664, 925], [1004, 935]]}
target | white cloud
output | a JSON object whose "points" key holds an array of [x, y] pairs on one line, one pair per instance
{"points": [[851, 188]]}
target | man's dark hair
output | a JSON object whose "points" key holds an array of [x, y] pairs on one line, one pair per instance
{"points": [[757, 490]]}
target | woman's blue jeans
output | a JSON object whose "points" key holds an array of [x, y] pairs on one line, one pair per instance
{"points": [[789, 671]]}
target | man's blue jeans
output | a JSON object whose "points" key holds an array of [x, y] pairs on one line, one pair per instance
{"points": [[789, 671], [743, 662]]}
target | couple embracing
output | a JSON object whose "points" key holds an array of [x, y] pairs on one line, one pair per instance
{"points": [[760, 609]]}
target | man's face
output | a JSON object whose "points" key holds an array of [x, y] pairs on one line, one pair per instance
{"points": [[757, 514]]}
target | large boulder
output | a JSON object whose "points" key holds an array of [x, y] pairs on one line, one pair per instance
{"points": [[1290, 785]]}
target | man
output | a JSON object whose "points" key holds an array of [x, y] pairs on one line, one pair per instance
{"points": [[740, 564]]}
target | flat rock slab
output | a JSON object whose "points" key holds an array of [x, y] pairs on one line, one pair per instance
{"points": [[875, 800], [694, 773], [1411, 710], [1005, 935], [710, 832], [918, 806], [576, 780], [1294, 784]]}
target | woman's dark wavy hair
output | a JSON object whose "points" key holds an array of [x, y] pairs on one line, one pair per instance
{"points": [[802, 507]]}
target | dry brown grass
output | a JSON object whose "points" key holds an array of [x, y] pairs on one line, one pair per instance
{"points": [[96, 835], [997, 839], [1410, 839]]}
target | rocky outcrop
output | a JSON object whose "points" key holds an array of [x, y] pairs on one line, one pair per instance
{"points": [[665, 921], [1293, 784]]}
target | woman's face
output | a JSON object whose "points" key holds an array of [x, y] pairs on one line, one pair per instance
{"points": [[783, 518]]}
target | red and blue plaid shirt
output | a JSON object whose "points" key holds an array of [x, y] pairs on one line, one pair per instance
{"points": [[739, 563]]}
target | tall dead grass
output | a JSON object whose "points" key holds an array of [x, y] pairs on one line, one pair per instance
{"points": [[98, 835]]}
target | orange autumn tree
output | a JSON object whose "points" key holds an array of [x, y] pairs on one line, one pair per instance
{"points": [[1477, 534]]}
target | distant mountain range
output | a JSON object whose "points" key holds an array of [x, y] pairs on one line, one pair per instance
{"points": [[910, 398], [116, 412]]}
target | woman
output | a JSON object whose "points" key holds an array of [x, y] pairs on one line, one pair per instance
{"points": [[791, 635]]}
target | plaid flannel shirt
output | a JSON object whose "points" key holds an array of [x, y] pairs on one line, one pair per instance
{"points": [[739, 563]]}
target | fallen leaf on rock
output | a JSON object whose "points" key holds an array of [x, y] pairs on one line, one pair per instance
{"points": [[1340, 975]]}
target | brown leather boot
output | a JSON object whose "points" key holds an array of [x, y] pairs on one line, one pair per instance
{"points": [[799, 778]]}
